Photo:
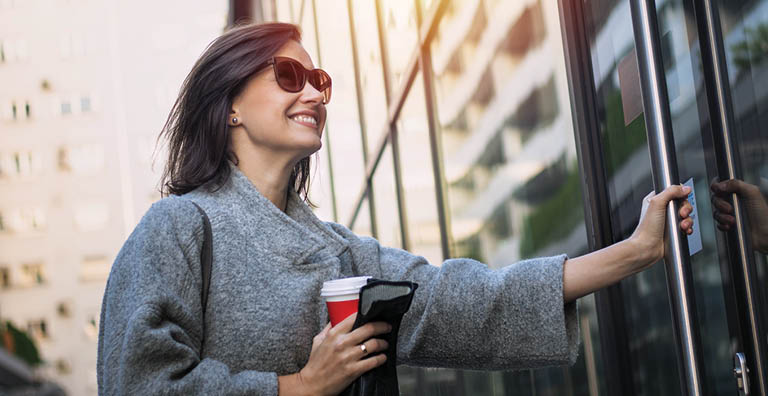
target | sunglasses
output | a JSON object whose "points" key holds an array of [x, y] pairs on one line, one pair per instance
{"points": [[291, 76]]}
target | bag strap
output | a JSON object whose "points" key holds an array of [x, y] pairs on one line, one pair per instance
{"points": [[206, 257]]}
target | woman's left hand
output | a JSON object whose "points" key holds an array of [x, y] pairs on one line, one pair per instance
{"points": [[650, 233]]}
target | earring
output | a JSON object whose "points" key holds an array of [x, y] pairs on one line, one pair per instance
{"points": [[234, 120]]}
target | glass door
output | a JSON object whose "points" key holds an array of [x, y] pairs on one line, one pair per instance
{"points": [[716, 318], [736, 66], [725, 259]]}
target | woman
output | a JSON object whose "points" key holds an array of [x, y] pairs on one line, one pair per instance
{"points": [[249, 116]]}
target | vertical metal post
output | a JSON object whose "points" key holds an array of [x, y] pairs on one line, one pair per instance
{"points": [[664, 169], [393, 132], [327, 129], [361, 115], [715, 68], [425, 60]]}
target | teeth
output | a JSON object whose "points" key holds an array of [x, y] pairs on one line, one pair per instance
{"points": [[305, 118]]}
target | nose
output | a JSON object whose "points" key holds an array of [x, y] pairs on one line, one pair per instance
{"points": [[310, 94]]}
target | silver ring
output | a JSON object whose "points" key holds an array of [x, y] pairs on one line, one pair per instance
{"points": [[364, 349]]}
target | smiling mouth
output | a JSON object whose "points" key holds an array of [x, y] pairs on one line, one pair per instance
{"points": [[305, 120]]}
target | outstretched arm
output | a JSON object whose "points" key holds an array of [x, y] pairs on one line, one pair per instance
{"points": [[585, 274]]}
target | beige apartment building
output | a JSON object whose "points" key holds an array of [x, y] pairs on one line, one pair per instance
{"points": [[85, 86]]}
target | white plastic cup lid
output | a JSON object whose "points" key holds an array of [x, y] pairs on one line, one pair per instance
{"points": [[340, 287]]}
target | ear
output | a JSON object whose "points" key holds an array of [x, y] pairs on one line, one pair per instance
{"points": [[234, 118]]}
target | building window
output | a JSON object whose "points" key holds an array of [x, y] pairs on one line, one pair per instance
{"points": [[64, 309], [91, 327], [85, 104], [5, 277], [25, 220], [83, 159], [13, 50], [37, 329], [94, 268], [27, 109], [19, 163], [32, 274], [63, 367], [66, 107], [6, 164], [62, 155], [14, 111]]}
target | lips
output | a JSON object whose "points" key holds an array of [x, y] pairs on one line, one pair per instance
{"points": [[305, 120], [308, 118]]}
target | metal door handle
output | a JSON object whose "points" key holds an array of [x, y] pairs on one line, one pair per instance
{"points": [[741, 372]]}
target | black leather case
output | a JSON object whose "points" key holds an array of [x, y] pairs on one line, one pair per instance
{"points": [[382, 301]]}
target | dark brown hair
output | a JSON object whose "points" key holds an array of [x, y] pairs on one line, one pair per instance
{"points": [[196, 131]]}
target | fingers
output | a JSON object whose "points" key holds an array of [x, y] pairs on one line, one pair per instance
{"points": [[344, 326], [687, 226], [367, 331], [372, 346], [324, 333], [724, 221], [722, 206], [368, 364], [675, 191], [726, 186], [320, 337], [734, 186], [685, 209]]}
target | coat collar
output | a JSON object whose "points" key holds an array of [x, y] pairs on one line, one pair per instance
{"points": [[296, 234]]}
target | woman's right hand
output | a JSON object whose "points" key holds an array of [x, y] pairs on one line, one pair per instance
{"points": [[337, 358]]}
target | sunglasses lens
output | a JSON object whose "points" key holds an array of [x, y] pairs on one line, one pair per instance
{"points": [[290, 75], [322, 82]]}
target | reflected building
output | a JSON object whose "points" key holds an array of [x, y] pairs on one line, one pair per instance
{"points": [[85, 92], [450, 135]]}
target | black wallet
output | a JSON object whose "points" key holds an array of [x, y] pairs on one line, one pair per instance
{"points": [[382, 301]]}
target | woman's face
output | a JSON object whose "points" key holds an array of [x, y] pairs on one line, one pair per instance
{"points": [[280, 122]]}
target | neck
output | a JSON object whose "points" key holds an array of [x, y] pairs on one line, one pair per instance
{"points": [[268, 174]]}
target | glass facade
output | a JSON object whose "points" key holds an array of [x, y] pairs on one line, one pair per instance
{"points": [[464, 110], [503, 130]]}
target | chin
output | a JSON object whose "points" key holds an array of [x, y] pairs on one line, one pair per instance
{"points": [[311, 148]]}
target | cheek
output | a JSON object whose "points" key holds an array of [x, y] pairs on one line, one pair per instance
{"points": [[265, 118]]}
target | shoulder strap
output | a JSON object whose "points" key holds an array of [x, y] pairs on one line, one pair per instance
{"points": [[206, 257]]}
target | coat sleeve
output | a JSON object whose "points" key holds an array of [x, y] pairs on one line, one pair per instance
{"points": [[465, 315], [151, 316], [468, 316]]}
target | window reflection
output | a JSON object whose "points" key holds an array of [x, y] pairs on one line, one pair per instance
{"points": [[387, 220], [343, 126], [399, 18], [418, 177], [371, 75], [362, 224]]}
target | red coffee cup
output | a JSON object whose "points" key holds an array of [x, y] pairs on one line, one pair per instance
{"points": [[341, 297]]}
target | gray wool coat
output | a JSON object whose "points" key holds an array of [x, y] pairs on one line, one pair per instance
{"points": [[264, 305]]}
